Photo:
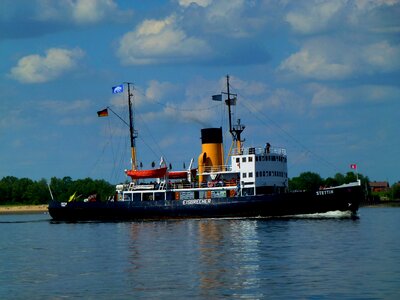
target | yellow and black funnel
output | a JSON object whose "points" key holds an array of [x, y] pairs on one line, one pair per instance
{"points": [[212, 155]]}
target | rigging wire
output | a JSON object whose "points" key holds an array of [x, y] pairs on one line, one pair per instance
{"points": [[179, 109], [110, 133], [144, 142], [253, 111], [152, 137], [107, 144], [172, 108]]}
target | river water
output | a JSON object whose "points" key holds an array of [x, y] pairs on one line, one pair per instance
{"points": [[323, 257]]}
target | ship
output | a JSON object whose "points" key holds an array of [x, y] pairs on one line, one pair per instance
{"points": [[250, 182]]}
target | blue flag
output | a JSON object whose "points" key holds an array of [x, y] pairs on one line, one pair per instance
{"points": [[118, 89], [217, 97]]}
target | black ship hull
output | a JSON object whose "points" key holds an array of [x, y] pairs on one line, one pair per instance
{"points": [[287, 204]]}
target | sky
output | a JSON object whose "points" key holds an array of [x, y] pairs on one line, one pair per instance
{"points": [[318, 78]]}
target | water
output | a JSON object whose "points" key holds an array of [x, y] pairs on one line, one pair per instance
{"points": [[323, 257]]}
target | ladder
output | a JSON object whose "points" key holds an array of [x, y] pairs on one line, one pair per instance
{"points": [[131, 186], [162, 185]]}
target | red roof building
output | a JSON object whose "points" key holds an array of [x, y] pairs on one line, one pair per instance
{"points": [[379, 186]]}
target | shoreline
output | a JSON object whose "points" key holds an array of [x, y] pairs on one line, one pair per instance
{"points": [[23, 209]]}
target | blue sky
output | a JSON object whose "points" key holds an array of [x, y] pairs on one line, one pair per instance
{"points": [[319, 78]]}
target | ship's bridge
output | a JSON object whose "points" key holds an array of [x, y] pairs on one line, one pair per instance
{"points": [[261, 169]]}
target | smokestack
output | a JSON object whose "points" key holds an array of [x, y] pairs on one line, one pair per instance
{"points": [[212, 151]]}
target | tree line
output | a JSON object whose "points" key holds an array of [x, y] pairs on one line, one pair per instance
{"points": [[15, 190], [312, 181], [26, 191]]}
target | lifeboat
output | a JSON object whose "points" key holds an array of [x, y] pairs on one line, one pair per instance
{"points": [[177, 174], [181, 174], [143, 174]]}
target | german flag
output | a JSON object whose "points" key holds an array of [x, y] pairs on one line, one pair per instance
{"points": [[103, 113]]}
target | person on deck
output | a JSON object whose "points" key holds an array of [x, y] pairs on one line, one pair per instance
{"points": [[267, 148]]}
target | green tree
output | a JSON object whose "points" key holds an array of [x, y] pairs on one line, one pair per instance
{"points": [[27, 191], [308, 181], [6, 187], [396, 191], [311, 181], [340, 179], [20, 190], [64, 188]]}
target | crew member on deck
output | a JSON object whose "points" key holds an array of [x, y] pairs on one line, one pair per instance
{"points": [[267, 147]]}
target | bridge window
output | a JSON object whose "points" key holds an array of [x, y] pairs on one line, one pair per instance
{"points": [[243, 159], [244, 175], [250, 158], [251, 175], [248, 191], [159, 196], [148, 197], [127, 197]]}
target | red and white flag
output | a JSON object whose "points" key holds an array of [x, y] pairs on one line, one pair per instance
{"points": [[353, 166]]}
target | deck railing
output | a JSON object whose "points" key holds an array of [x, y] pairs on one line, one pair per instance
{"points": [[210, 184], [259, 151], [214, 169]]}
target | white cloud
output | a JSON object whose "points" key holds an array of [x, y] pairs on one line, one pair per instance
{"points": [[249, 88], [194, 107], [234, 18], [120, 100], [372, 4], [285, 100], [13, 119], [314, 62], [202, 3], [92, 10], [31, 18], [79, 11], [160, 41], [68, 112], [376, 93], [333, 59], [315, 16], [382, 56], [38, 69], [64, 107], [325, 96], [157, 90], [200, 111]]}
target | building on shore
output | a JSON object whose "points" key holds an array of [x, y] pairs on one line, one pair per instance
{"points": [[379, 186]]}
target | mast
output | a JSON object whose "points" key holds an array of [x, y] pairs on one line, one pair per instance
{"points": [[133, 134], [238, 128], [228, 102]]}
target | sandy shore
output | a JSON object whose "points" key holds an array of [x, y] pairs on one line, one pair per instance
{"points": [[22, 209]]}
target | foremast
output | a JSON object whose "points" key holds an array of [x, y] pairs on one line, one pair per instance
{"points": [[132, 133]]}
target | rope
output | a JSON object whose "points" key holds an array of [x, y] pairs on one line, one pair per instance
{"points": [[307, 151]]}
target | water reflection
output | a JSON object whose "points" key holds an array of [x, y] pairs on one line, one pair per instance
{"points": [[229, 255], [200, 257], [203, 259]]}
